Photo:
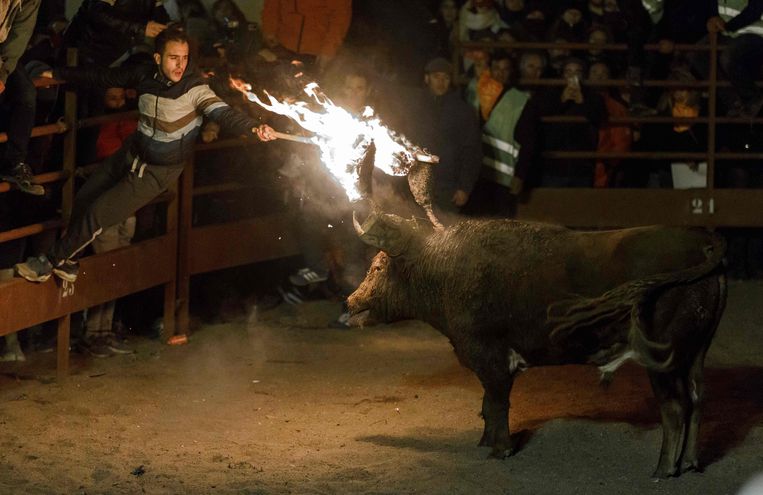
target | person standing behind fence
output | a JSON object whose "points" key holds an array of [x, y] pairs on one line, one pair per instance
{"points": [[740, 21], [171, 104], [17, 20], [99, 339]]}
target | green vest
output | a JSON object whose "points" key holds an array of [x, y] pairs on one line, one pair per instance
{"points": [[728, 9], [500, 150]]}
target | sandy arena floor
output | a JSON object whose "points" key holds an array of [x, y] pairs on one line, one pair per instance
{"points": [[284, 405]]}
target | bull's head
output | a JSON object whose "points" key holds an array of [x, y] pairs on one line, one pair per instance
{"points": [[382, 293]]}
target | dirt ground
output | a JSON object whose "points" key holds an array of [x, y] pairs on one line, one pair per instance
{"points": [[284, 405]]}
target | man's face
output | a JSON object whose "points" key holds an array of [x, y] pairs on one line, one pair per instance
{"points": [[572, 69], [449, 10], [598, 72], [438, 82], [532, 67], [114, 98], [501, 70], [174, 60], [514, 5], [355, 93]]}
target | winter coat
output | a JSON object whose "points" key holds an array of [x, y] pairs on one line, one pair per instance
{"points": [[309, 27]]}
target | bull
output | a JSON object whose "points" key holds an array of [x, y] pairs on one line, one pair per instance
{"points": [[511, 294]]}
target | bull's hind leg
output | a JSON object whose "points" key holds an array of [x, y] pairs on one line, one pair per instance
{"points": [[670, 391], [696, 384], [495, 412]]}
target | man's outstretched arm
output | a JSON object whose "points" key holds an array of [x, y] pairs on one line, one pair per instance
{"points": [[98, 77], [230, 119]]}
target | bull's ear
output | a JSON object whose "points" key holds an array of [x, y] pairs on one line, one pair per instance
{"points": [[390, 233]]}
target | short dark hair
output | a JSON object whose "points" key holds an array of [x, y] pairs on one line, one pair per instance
{"points": [[174, 32]]}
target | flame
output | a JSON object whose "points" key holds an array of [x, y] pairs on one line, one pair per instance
{"points": [[343, 139]]}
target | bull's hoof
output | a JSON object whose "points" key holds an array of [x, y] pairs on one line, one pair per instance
{"points": [[484, 441], [663, 473], [500, 453], [691, 466]]}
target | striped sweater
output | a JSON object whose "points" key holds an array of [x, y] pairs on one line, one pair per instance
{"points": [[171, 114]]}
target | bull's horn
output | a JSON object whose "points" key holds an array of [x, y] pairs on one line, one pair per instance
{"points": [[387, 232], [357, 226]]}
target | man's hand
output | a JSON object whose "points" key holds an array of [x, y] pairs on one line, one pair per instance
{"points": [[154, 28], [460, 198], [572, 93], [516, 185], [264, 132], [716, 25], [48, 74], [666, 46]]}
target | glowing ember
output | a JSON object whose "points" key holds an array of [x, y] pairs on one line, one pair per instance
{"points": [[344, 139]]}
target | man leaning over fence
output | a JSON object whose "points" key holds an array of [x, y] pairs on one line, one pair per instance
{"points": [[172, 104]]}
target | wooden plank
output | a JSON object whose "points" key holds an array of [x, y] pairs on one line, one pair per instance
{"points": [[630, 207], [215, 247], [102, 278]]}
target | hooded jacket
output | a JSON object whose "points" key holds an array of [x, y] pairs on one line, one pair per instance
{"points": [[171, 114], [17, 20]]}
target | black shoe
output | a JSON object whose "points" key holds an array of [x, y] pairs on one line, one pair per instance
{"points": [[307, 276], [67, 270], [96, 347], [118, 346], [21, 177], [36, 269], [291, 295]]}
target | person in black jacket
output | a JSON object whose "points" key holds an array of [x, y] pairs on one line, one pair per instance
{"points": [[106, 31], [172, 105]]}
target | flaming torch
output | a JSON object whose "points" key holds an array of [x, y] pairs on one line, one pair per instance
{"points": [[343, 139]]}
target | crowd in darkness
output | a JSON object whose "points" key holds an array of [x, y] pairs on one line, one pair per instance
{"points": [[482, 108]]}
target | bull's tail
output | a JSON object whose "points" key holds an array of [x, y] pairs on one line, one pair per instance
{"points": [[627, 301]]}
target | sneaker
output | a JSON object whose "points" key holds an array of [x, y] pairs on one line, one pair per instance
{"points": [[307, 276], [117, 346], [21, 177], [36, 269], [291, 295], [96, 347], [67, 270]]}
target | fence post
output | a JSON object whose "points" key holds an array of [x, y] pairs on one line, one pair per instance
{"points": [[170, 288], [62, 347], [711, 129], [184, 238], [70, 142]]}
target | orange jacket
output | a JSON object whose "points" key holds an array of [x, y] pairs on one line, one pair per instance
{"points": [[310, 27], [615, 138]]}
